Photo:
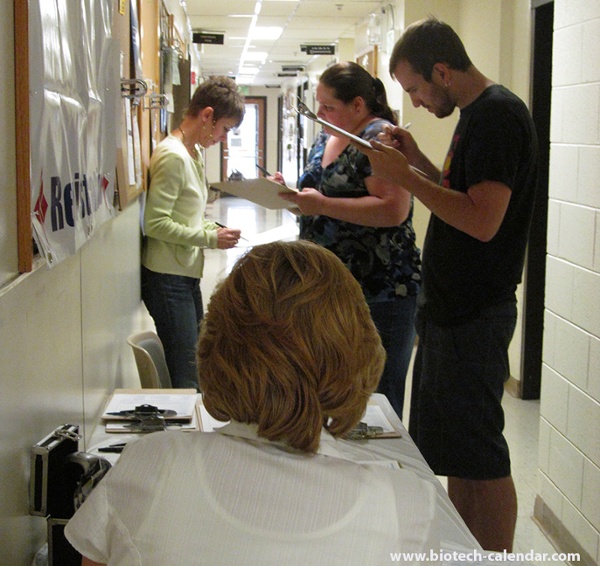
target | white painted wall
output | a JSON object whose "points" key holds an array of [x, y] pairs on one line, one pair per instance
{"points": [[62, 333]]}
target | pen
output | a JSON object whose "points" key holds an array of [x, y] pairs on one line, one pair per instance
{"points": [[116, 448], [269, 174], [407, 125], [223, 226], [263, 170]]}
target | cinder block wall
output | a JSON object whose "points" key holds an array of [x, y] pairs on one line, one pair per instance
{"points": [[568, 504]]}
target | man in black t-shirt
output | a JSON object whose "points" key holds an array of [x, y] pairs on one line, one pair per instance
{"points": [[473, 256]]}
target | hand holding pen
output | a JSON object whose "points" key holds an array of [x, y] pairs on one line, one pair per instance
{"points": [[227, 237], [396, 136], [278, 177]]}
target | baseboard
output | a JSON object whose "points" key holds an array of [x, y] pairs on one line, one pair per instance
{"points": [[558, 535]]}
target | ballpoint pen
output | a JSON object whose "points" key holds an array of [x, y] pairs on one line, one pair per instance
{"points": [[223, 226], [266, 173], [263, 170], [116, 448]]}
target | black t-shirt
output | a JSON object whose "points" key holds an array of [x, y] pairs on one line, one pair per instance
{"points": [[494, 140]]}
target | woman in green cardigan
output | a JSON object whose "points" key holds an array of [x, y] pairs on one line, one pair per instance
{"points": [[176, 231]]}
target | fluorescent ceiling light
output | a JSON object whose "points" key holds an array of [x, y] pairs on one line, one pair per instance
{"points": [[244, 79], [266, 33], [248, 70], [260, 56]]}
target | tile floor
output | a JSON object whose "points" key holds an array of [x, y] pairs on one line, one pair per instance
{"points": [[260, 225]]}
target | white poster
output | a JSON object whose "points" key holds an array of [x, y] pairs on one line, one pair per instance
{"points": [[74, 111]]}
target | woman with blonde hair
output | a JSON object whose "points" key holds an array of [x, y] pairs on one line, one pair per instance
{"points": [[292, 335], [288, 354]]}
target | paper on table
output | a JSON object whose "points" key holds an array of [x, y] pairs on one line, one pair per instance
{"points": [[260, 191], [208, 423], [375, 416]]}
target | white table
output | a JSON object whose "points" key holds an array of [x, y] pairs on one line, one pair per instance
{"points": [[454, 534]]}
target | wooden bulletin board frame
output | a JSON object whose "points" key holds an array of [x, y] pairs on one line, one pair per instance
{"points": [[23, 155], [130, 178], [25, 240]]}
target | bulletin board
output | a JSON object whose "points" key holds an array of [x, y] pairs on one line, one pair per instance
{"points": [[67, 95], [138, 98]]}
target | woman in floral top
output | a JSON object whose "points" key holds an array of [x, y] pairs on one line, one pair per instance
{"points": [[364, 220]]}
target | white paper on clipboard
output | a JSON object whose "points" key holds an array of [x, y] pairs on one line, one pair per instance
{"points": [[260, 191]]}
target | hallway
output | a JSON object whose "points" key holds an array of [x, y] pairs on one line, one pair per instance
{"points": [[260, 225]]}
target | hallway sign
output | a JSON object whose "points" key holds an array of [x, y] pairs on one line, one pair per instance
{"points": [[74, 99]]}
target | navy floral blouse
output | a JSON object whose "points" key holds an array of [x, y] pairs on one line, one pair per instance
{"points": [[385, 261]]}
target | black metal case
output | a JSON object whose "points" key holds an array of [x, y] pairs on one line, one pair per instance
{"points": [[47, 485]]}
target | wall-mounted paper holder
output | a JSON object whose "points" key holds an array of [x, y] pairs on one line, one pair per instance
{"points": [[134, 89], [156, 101]]}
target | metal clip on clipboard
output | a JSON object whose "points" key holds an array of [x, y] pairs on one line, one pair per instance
{"points": [[147, 418], [363, 431]]}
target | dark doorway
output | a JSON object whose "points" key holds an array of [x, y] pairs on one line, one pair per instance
{"points": [[535, 264]]}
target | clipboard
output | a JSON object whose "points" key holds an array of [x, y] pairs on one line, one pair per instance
{"points": [[260, 191], [375, 416], [182, 401]]}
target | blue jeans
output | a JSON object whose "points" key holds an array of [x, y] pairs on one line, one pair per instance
{"points": [[175, 304], [396, 325]]}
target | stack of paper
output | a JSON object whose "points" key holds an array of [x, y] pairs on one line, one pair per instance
{"points": [[208, 423]]}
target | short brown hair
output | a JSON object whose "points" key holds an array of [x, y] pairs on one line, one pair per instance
{"points": [[427, 42], [288, 343], [222, 95]]}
